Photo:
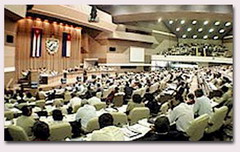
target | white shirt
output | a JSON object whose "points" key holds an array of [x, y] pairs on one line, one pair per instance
{"points": [[182, 115], [202, 106], [86, 113], [110, 133], [94, 100], [75, 101]]}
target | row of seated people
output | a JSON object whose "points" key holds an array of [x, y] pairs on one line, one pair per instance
{"points": [[203, 50], [181, 113], [149, 99]]}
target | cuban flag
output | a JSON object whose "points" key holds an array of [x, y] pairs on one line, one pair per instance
{"points": [[66, 45], [36, 42]]}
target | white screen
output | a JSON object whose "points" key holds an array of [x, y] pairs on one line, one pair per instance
{"points": [[136, 54]]}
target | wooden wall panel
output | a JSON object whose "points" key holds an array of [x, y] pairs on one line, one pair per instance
{"points": [[52, 62]]}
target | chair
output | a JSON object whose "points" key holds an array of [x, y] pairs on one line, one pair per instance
{"points": [[41, 103], [105, 93], [92, 125], [119, 119], [19, 106], [67, 97], [217, 119], [99, 95], [59, 132], [197, 127], [100, 105], [17, 133], [76, 107], [138, 113], [118, 100], [9, 115], [164, 108]]}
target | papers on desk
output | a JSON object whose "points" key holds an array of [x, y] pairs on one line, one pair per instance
{"points": [[145, 123], [134, 132]]}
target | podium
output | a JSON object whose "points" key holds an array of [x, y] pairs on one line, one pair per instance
{"points": [[34, 79]]}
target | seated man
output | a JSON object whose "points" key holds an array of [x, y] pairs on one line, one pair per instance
{"points": [[85, 113], [161, 132], [41, 131], [107, 131], [26, 121], [136, 102], [181, 113], [93, 100], [202, 104]]}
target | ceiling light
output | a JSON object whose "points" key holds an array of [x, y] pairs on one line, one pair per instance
{"points": [[171, 22], [189, 29], [228, 24], [178, 29], [211, 30], [200, 29], [182, 21], [194, 36], [221, 31], [215, 37], [159, 20], [205, 22], [194, 22], [205, 37], [184, 36], [217, 23]]}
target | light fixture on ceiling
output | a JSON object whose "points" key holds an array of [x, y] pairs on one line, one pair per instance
{"points": [[170, 22], [217, 23], [200, 29], [211, 30], [182, 21], [189, 29], [221, 31], [194, 36], [194, 22], [178, 29], [215, 37], [205, 37], [184, 36], [228, 24], [159, 20], [205, 22]]}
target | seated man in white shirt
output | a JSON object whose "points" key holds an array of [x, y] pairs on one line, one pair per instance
{"points": [[75, 101], [202, 104], [93, 100], [85, 113], [181, 113], [108, 132]]}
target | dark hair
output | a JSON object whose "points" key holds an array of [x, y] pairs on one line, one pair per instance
{"points": [[29, 95], [26, 111], [224, 89], [57, 115], [94, 93], [136, 98], [41, 130], [190, 96], [162, 124], [198, 93], [105, 120]]}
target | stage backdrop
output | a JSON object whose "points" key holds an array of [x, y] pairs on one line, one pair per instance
{"points": [[52, 62]]}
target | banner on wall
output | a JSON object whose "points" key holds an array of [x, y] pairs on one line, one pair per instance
{"points": [[66, 45], [36, 42]]}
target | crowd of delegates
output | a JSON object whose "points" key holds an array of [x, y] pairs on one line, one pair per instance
{"points": [[185, 104], [203, 49]]}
